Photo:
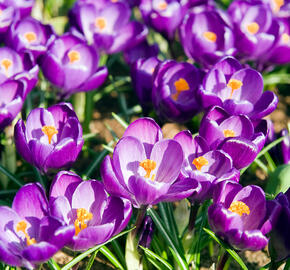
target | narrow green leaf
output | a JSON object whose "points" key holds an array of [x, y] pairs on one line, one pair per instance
{"points": [[10, 176], [121, 121], [108, 148], [39, 177], [235, 256], [276, 79], [156, 264], [91, 250], [270, 161], [119, 251], [178, 259], [53, 265], [261, 165], [153, 255], [6, 192], [92, 259], [111, 257]]}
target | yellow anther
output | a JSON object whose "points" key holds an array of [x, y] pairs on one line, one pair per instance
{"points": [[49, 131], [285, 38], [162, 5], [30, 37], [21, 227], [278, 4], [234, 85], [229, 133], [181, 85], [73, 56], [100, 23], [6, 63], [82, 216], [210, 36], [148, 165], [200, 162], [253, 28], [239, 208], [1, 11], [114, 1]]}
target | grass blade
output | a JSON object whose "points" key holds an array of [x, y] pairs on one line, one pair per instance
{"points": [[10, 176], [111, 257], [92, 259], [53, 265]]}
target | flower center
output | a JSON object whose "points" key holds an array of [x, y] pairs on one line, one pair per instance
{"points": [[234, 85], [73, 56], [49, 131], [82, 216], [210, 36], [285, 38], [253, 28], [229, 133], [239, 208], [200, 162], [30, 37], [148, 165], [100, 23], [180, 86], [6, 63], [21, 227], [278, 4], [114, 1], [162, 5]]}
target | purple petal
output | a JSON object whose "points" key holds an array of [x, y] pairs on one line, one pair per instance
{"points": [[96, 80], [39, 252], [61, 208]]}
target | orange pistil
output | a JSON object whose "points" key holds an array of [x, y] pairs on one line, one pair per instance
{"points": [[253, 28], [200, 162], [229, 133], [234, 85], [49, 131], [285, 38], [6, 63], [73, 56], [148, 165], [21, 227], [239, 208], [210, 36], [180, 86], [30, 37], [114, 1], [162, 5], [100, 23], [82, 216], [278, 4]]}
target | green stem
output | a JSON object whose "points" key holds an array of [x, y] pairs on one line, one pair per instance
{"points": [[139, 219], [222, 260], [39, 177], [88, 111], [79, 101], [193, 213]]}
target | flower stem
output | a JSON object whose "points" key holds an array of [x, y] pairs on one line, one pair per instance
{"points": [[193, 213], [222, 260], [139, 219]]}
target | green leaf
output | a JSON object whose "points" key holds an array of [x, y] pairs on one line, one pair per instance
{"points": [[235, 256], [111, 257], [92, 259], [273, 79], [279, 180], [120, 120], [132, 256], [154, 256], [91, 250], [53, 265], [10, 176], [119, 251]]}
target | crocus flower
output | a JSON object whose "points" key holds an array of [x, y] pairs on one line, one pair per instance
{"points": [[29, 236], [6, 18], [29, 35], [285, 145], [235, 134], [109, 26], [85, 206], [72, 65], [230, 86], [23, 7], [51, 139], [17, 67], [164, 16], [174, 90], [205, 166], [241, 216], [206, 36], [280, 235], [145, 167], [12, 95]]}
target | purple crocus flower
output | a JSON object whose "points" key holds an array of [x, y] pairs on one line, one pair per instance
{"points": [[285, 145], [237, 135], [29, 236], [23, 7], [280, 235], [29, 35], [205, 166], [230, 86], [72, 65], [51, 139], [164, 16], [142, 80], [206, 36], [241, 216], [7, 14], [174, 90], [12, 95], [85, 206], [145, 167], [18, 67], [109, 26]]}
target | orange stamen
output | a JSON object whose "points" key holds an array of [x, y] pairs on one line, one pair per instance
{"points": [[200, 162], [239, 208], [148, 165], [210, 36], [234, 85], [100, 23], [6, 63], [73, 56], [253, 28], [229, 133], [49, 131], [162, 5], [30, 37], [180, 86], [285, 38], [82, 216], [21, 227], [278, 4]]}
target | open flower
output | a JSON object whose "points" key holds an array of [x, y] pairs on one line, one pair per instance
{"points": [[241, 216], [51, 139], [145, 167], [29, 236], [85, 206]]}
